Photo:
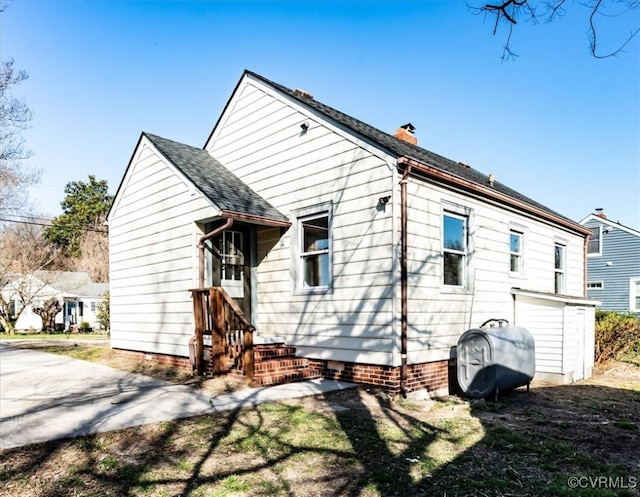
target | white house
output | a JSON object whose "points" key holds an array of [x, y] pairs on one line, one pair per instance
{"points": [[367, 253], [76, 292]]}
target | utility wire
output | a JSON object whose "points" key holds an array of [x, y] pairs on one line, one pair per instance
{"points": [[49, 225]]}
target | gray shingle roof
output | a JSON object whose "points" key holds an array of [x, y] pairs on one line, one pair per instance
{"points": [[215, 181], [64, 281], [401, 148]]}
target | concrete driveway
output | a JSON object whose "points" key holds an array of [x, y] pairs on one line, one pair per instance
{"points": [[46, 397]]}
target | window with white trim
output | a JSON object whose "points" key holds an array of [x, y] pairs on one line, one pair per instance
{"points": [[559, 267], [454, 249], [595, 285], [594, 247], [315, 254], [634, 294], [516, 239]]}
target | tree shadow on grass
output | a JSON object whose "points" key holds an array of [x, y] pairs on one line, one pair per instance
{"points": [[524, 444]]}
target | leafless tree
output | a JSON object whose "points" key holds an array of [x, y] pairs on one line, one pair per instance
{"points": [[94, 256], [47, 312], [23, 252], [15, 117], [510, 12]]}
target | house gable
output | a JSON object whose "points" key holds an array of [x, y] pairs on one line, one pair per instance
{"points": [[223, 188], [614, 270]]}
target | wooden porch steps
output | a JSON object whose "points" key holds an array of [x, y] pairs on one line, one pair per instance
{"points": [[276, 364]]}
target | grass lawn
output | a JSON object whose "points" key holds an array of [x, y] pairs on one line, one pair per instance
{"points": [[53, 336], [571, 440]]}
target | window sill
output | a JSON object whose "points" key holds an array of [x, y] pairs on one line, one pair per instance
{"points": [[318, 290], [454, 290]]}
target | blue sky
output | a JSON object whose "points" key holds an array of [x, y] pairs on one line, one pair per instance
{"points": [[555, 124]]}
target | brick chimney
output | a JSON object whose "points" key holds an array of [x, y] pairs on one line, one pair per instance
{"points": [[405, 132], [600, 213]]}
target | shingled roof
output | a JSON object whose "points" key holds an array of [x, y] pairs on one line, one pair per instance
{"points": [[216, 182], [401, 148]]}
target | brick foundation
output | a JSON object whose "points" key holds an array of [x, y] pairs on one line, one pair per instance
{"points": [[278, 364], [429, 376]]}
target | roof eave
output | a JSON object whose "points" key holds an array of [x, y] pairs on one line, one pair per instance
{"points": [[487, 191], [266, 221]]}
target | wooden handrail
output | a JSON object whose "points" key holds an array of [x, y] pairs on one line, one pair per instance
{"points": [[218, 315]]}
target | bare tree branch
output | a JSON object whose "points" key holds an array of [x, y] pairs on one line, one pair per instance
{"points": [[512, 11]]}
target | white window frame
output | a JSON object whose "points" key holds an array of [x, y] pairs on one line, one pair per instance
{"points": [[599, 252], [559, 273], [519, 254], [299, 255], [464, 252], [595, 285], [634, 293]]}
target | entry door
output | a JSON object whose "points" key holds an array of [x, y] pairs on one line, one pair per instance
{"points": [[232, 265]]}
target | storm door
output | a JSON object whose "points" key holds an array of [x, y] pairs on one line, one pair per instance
{"points": [[231, 265]]}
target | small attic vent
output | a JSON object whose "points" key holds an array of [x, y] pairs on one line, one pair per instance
{"points": [[303, 93]]}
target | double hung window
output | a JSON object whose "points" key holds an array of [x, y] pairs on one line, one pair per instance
{"points": [[559, 268], [454, 249], [594, 247], [634, 295], [315, 255], [515, 252]]}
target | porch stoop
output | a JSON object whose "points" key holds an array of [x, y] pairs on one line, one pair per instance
{"points": [[276, 364]]}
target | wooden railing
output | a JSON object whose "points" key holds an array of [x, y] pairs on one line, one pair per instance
{"points": [[217, 314]]}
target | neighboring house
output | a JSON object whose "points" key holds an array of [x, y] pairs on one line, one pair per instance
{"points": [[367, 253], [77, 293], [613, 264]]}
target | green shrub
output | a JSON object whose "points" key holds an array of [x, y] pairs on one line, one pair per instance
{"points": [[616, 334], [104, 314], [85, 326]]}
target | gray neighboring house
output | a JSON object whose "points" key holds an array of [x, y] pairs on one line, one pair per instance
{"points": [[613, 264]]}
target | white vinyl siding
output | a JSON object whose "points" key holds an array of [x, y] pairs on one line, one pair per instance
{"points": [[153, 256], [564, 334], [351, 319], [438, 316]]}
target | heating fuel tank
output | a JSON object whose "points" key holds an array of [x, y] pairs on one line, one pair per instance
{"points": [[495, 357]]}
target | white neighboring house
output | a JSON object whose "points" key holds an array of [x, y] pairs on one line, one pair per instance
{"points": [[366, 252], [79, 295]]}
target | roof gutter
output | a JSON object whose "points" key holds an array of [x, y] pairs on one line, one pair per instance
{"points": [[489, 192], [203, 239], [255, 219]]}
